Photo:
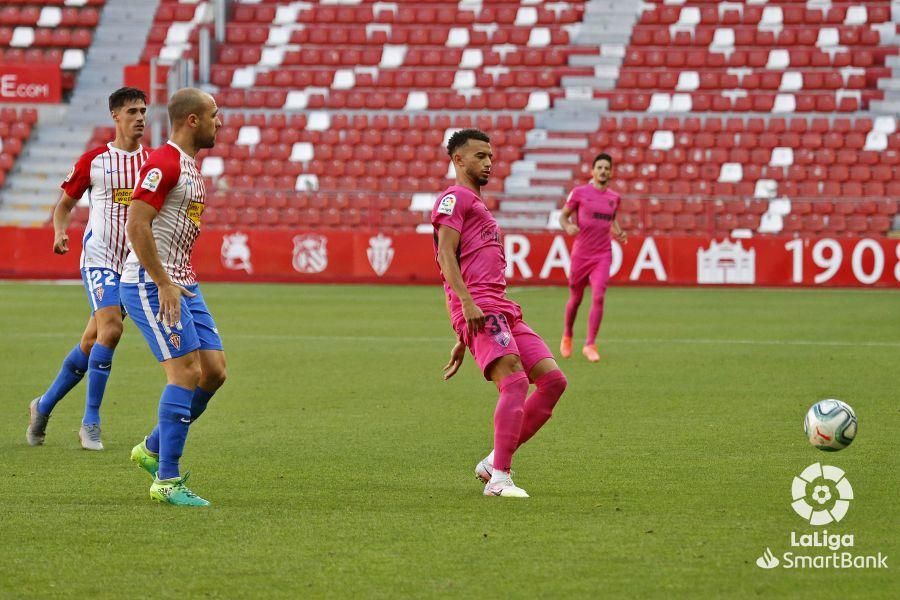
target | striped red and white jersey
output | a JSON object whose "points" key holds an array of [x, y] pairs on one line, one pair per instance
{"points": [[108, 175], [171, 183]]}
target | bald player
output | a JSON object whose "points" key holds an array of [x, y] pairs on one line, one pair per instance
{"points": [[160, 290]]}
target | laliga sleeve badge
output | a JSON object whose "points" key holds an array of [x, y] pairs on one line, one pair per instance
{"points": [[448, 203], [69, 176], [152, 179]]}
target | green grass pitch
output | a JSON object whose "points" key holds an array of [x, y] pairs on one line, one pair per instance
{"points": [[340, 465]]}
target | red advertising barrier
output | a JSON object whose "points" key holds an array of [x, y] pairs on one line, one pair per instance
{"points": [[539, 258], [32, 83]]}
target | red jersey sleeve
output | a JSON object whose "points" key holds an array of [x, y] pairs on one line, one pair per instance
{"points": [[158, 175], [79, 178], [573, 201], [451, 208]]}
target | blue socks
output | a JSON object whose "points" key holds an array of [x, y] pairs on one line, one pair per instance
{"points": [[174, 421], [73, 369], [99, 367], [198, 404], [199, 401], [174, 396]]}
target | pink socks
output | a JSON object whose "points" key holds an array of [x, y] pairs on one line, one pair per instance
{"points": [[508, 417], [575, 296], [594, 318], [539, 405], [516, 419]]}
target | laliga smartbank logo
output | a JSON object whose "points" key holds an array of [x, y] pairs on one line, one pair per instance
{"points": [[821, 495]]}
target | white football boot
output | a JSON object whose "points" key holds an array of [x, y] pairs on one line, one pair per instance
{"points": [[501, 484], [484, 470]]}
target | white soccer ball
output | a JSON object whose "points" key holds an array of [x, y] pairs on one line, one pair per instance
{"points": [[830, 425]]}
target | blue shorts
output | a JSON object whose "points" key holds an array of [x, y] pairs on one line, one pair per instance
{"points": [[102, 287], [198, 329]]}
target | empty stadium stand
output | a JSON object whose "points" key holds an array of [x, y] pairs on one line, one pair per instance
{"points": [[50, 31], [778, 117]]}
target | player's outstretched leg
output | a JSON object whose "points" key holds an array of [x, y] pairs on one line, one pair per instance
{"points": [[72, 371], [508, 418], [576, 293]]}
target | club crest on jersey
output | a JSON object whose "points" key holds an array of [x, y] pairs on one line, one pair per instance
{"points": [[152, 179], [310, 253], [448, 203], [98, 292], [380, 253], [503, 338], [175, 340], [236, 252]]}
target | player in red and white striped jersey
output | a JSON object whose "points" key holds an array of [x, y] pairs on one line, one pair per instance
{"points": [[161, 293], [108, 175]]}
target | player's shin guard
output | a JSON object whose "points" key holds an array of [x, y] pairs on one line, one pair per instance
{"points": [[508, 418], [73, 369], [199, 402], [99, 367], [174, 422], [539, 405]]}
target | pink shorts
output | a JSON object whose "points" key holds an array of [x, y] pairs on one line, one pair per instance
{"points": [[594, 270], [498, 339]]}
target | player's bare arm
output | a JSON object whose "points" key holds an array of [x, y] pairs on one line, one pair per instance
{"points": [[62, 216], [565, 221], [620, 234], [140, 234], [448, 242]]}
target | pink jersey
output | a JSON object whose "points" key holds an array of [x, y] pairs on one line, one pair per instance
{"points": [[108, 174], [171, 183], [594, 211], [480, 252]]}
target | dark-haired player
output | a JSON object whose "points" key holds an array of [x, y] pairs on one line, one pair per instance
{"points": [[594, 207], [470, 254], [108, 174]]}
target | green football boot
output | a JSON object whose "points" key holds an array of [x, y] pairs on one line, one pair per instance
{"points": [[173, 491], [148, 461]]}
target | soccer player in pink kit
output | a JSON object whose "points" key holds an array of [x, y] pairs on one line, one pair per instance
{"points": [[594, 206], [472, 263]]}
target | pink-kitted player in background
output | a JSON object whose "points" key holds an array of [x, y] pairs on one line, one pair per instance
{"points": [[594, 207]]}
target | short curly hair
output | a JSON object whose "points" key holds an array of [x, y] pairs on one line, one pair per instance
{"points": [[462, 136]]}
